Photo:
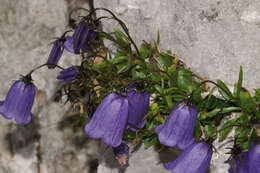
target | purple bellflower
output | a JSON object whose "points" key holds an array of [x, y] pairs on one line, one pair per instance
{"points": [[56, 53], [179, 127], [122, 153], [194, 159], [69, 74], [92, 35], [250, 161], [109, 120], [81, 36], [138, 108], [236, 163], [68, 45], [18, 102]]}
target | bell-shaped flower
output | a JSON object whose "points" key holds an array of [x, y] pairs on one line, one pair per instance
{"points": [[80, 35], [138, 108], [250, 161], [69, 74], [121, 153], [236, 164], [56, 53], [109, 120], [179, 127], [92, 35], [68, 45], [194, 159], [18, 102]]}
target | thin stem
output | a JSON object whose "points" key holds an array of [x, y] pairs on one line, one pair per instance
{"points": [[122, 25], [40, 66], [209, 81]]}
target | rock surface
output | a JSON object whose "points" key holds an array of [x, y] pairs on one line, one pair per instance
{"points": [[214, 37]]}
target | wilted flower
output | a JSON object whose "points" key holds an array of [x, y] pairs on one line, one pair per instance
{"points": [[122, 153], [179, 127], [109, 120], [68, 74], [138, 108], [18, 102], [194, 159], [56, 53], [249, 162]]}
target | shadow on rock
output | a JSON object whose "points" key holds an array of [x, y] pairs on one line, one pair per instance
{"points": [[22, 139]]}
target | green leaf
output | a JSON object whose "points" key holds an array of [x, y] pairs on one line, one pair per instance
{"points": [[120, 35], [125, 67], [257, 95], [239, 83], [119, 59], [198, 131], [246, 101], [226, 93], [164, 61], [107, 36], [145, 51], [205, 115], [185, 80], [158, 40], [169, 101], [210, 130], [100, 65], [226, 129], [150, 141]]}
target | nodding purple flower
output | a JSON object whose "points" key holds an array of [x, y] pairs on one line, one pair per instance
{"points": [[122, 153], [236, 163], [179, 127], [56, 53], [68, 45], [249, 161], [69, 74], [109, 120], [92, 35], [138, 108], [83, 33], [194, 159], [18, 102]]}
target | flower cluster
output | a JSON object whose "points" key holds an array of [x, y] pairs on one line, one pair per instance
{"points": [[140, 95], [115, 113]]}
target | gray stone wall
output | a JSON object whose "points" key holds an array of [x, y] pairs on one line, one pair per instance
{"points": [[214, 37]]}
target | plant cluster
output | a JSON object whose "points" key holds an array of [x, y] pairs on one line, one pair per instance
{"points": [[141, 94]]}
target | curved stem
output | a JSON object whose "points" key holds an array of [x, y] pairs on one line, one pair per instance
{"points": [[40, 66], [209, 81], [122, 25]]}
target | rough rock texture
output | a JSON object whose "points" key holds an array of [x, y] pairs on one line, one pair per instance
{"points": [[214, 37], [46, 146]]}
